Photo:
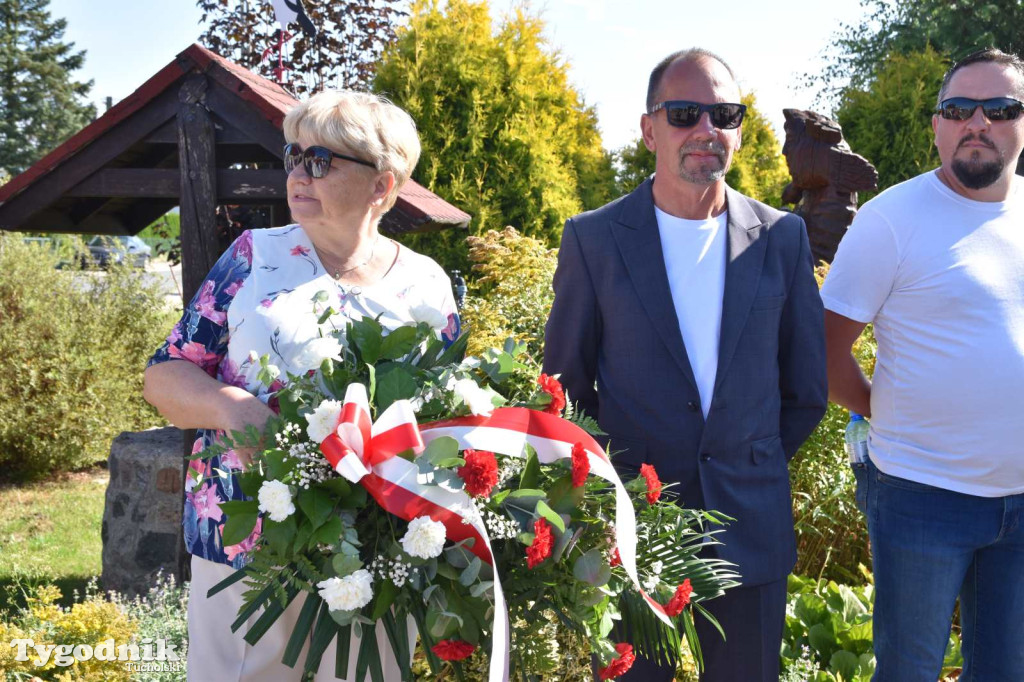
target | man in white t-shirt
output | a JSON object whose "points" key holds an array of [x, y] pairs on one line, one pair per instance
{"points": [[695, 312], [937, 265]]}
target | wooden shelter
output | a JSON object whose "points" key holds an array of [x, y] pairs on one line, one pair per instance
{"points": [[202, 132]]}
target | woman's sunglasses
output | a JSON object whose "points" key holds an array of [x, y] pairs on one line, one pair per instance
{"points": [[995, 109], [683, 114], [316, 160]]}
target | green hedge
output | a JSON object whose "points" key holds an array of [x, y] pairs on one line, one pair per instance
{"points": [[74, 346]]}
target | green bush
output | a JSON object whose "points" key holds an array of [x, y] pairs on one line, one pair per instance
{"points": [[828, 634], [74, 346]]}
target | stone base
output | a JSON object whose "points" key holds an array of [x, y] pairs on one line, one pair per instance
{"points": [[142, 513]]}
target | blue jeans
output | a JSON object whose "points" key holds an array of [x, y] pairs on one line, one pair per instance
{"points": [[929, 546]]}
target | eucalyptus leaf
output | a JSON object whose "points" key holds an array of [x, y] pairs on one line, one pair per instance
{"points": [[550, 516], [592, 568]]}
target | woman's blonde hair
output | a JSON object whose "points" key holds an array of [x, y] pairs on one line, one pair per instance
{"points": [[362, 124]]}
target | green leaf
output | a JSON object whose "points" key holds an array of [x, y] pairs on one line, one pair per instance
{"points": [[394, 382], [238, 527], [345, 564], [326, 315], [278, 464], [385, 597], [471, 572], [329, 533], [564, 498], [399, 343], [821, 639], [531, 472], [356, 498], [845, 663], [367, 336], [337, 486], [316, 504], [302, 536], [592, 568], [439, 450], [554, 519], [280, 534]]}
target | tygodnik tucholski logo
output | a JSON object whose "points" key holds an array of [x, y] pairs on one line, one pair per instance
{"points": [[152, 656]]}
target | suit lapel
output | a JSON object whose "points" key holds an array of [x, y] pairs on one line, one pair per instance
{"points": [[745, 253], [636, 234]]}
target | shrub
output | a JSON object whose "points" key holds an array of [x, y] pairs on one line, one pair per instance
{"points": [[74, 346], [828, 634], [91, 619], [512, 294]]}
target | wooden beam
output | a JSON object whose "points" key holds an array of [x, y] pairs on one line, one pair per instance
{"points": [[224, 133], [238, 113], [198, 178], [45, 191], [165, 183]]}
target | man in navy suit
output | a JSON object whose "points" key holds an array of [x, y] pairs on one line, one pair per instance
{"points": [[687, 321]]}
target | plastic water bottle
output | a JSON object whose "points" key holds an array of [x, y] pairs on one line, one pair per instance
{"points": [[857, 439]]}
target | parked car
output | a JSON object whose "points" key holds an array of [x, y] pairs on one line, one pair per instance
{"points": [[106, 250]]}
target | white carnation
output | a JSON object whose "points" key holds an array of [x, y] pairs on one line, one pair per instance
{"points": [[424, 538], [424, 312], [476, 399], [276, 499], [313, 352], [349, 593], [324, 420]]}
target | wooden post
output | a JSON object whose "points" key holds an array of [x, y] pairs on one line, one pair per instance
{"points": [[199, 248]]}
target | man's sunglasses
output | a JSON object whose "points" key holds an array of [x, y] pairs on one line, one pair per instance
{"points": [[995, 109], [316, 160], [683, 114]]}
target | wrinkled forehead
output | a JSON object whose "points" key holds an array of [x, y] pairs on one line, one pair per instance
{"points": [[986, 80]]}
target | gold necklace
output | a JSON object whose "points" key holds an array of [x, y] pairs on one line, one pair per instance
{"points": [[338, 273]]}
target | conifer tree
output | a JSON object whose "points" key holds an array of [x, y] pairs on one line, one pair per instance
{"points": [[506, 137], [42, 103]]}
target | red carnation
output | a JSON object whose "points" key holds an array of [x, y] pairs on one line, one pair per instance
{"points": [[653, 483], [480, 472], [616, 560], [580, 465], [680, 599], [621, 665], [453, 649], [540, 549], [553, 388]]}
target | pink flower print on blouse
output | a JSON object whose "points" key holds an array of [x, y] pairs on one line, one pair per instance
{"points": [[197, 354], [207, 304], [230, 460], [231, 374], [206, 503], [299, 250], [246, 545], [266, 303], [451, 331], [233, 288], [198, 469], [243, 247], [175, 336]]}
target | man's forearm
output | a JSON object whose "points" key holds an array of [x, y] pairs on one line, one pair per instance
{"points": [[847, 385]]}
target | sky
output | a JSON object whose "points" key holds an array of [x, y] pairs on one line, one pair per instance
{"points": [[610, 45]]}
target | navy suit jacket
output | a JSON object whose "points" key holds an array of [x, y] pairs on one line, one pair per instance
{"points": [[614, 338]]}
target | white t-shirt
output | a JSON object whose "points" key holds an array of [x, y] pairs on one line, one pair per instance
{"points": [[942, 278], [694, 253]]}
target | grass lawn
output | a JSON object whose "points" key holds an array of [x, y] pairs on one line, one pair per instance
{"points": [[50, 533]]}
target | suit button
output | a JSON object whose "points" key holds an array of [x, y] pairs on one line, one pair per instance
{"points": [[692, 406], [705, 456]]}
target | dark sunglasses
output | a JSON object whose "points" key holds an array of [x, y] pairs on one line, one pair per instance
{"points": [[995, 109], [316, 160], [683, 114]]}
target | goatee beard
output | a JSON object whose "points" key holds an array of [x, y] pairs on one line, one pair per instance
{"points": [[703, 175], [976, 174]]}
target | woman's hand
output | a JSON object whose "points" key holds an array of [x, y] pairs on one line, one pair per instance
{"points": [[190, 398], [241, 410]]}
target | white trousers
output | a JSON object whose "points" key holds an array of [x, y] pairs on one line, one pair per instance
{"points": [[215, 654]]}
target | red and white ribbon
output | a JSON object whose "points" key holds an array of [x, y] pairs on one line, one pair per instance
{"points": [[364, 452]]}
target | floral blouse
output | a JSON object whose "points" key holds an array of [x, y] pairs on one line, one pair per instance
{"points": [[258, 299]]}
